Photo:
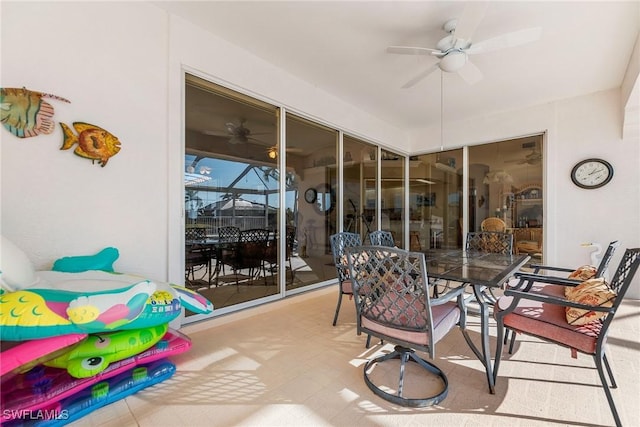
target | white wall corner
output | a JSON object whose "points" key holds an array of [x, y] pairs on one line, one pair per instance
{"points": [[630, 91]]}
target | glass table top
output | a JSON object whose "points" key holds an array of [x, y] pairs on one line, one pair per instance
{"points": [[476, 268]]}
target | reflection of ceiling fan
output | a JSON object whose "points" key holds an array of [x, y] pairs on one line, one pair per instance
{"points": [[272, 152], [238, 133], [533, 158], [453, 50]]}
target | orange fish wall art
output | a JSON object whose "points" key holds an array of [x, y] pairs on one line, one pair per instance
{"points": [[94, 143], [24, 113]]}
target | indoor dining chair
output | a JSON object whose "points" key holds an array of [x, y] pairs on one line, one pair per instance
{"points": [[579, 319], [493, 224], [391, 292]]}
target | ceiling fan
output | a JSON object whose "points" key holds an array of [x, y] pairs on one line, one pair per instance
{"points": [[239, 133], [453, 50], [533, 158]]}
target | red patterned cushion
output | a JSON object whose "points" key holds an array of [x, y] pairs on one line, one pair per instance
{"points": [[585, 272], [594, 292]]}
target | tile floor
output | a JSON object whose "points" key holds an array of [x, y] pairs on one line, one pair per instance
{"points": [[283, 364]]}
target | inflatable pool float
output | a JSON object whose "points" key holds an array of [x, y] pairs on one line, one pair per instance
{"points": [[42, 386], [96, 352], [18, 357], [40, 313], [98, 395], [70, 299]]}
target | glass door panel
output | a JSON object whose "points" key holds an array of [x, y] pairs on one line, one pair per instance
{"points": [[435, 194], [231, 186], [311, 200], [359, 186], [392, 190], [505, 182]]}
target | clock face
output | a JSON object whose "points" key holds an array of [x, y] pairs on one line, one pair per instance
{"points": [[592, 173], [310, 195]]}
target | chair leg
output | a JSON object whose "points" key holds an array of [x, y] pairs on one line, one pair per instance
{"points": [[335, 318], [598, 359], [513, 341], [609, 371], [406, 355]]}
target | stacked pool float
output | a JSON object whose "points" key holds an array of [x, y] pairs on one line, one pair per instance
{"points": [[81, 336]]}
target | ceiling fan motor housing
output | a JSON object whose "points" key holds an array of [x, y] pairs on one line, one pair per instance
{"points": [[453, 61]]}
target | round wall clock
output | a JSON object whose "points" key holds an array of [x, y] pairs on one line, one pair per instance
{"points": [[592, 173], [310, 195]]}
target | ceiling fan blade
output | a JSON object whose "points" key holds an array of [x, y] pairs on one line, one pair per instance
{"points": [[471, 16], [420, 76], [231, 127], [507, 40], [411, 50], [215, 133], [470, 73]]}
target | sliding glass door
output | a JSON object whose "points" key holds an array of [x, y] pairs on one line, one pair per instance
{"points": [[435, 200], [231, 182]]}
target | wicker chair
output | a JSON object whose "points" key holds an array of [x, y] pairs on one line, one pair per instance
{"points": [[544, 316], [339, 243], [493, 224], [391, 292]]}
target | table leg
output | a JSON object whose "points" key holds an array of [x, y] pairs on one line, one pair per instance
{"points": [[484, 326]]}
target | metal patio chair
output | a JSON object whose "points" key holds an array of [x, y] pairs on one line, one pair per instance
{"points": [[545, 316], [339, 243], [391, 292], [381, 238]]}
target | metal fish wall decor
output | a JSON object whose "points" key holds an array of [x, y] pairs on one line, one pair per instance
{"points": [[93, 142], [24, 113]]}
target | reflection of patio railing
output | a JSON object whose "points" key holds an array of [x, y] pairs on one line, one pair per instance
{"points": [[212, 223]]}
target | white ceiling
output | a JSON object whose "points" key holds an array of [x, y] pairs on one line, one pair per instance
{"points": [[340, 47]]}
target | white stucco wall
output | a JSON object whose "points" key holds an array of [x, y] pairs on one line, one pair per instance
{"points": [[110, 60], [121, 65]]}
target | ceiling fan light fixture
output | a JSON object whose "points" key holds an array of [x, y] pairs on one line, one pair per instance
{"points": [[272, 153], [453, 61]]}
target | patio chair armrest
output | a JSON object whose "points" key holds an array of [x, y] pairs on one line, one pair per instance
{"points": [[538, 267], [532, 296], [547, 279], [451, 294]]}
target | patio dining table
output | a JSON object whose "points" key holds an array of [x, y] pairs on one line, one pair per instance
{"points": [[480, 270]]}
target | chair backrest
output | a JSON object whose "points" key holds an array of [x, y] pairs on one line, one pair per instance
{"points": [[390, 288], [254, 235], [381, 238], [606, 258], [620, 283], [339, 243], [291, 240], [195, 233], [490, 241], [229, 234], [493, 224]]}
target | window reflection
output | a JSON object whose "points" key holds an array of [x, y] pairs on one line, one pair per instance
{"points": [[231, 187], [392, 188], [311, 157], [435, 193], [359, 186], [505, 182]]}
